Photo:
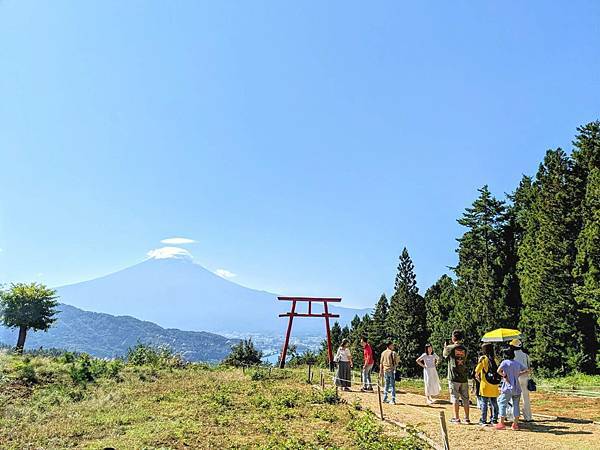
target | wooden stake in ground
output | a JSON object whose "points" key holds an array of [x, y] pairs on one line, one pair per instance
{"points": [[444, 430], [379, 398], [309, 374]]}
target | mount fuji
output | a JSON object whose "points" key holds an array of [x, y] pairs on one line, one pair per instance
{"points": [[173, 291]]}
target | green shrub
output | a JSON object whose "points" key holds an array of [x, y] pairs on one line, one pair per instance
{"points": [[330, 396], [25, 372], [156, 356], [288, 399], [81, 370], [244, 354], [369, 435], [259, 375]]}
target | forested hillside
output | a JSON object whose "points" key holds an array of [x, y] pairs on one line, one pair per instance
{"points": [[529, 260]]}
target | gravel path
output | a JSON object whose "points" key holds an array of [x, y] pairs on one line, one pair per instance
{"points": [[561, 433]]}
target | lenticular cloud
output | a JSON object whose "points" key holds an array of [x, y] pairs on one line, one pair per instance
{"points": [[169, 253], [178, 241]]}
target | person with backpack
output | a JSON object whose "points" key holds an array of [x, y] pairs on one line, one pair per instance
{"points": [[510, 390], [458, 374], [489, 381], [387, 369]]}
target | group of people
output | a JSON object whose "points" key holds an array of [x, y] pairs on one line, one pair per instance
{"points": [[499, 388]]}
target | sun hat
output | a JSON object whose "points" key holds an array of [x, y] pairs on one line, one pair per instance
{"points": [[516, 343]]}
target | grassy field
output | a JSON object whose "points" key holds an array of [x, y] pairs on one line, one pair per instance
{"points": [[74, 402]]}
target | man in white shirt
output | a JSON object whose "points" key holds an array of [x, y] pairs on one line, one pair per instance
{"points": [[523, 358]]}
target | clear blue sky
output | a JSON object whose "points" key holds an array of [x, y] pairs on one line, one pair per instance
{"points": [[301, 144]]}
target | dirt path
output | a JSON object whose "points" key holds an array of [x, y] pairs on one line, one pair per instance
{"points": [[561, 433]]}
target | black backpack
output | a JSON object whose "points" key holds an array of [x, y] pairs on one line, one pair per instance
{"points": [[492, 376]]}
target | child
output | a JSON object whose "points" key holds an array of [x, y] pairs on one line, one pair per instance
{"points": [[428, 361], [486, 373], [510, 390]]}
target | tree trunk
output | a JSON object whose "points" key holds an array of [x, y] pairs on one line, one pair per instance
{"points": [[21, 340]]}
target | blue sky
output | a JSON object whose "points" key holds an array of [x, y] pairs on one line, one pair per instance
{"points": [[301, 144]]}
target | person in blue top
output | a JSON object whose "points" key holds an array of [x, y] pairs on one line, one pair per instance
{"points": [[510, 390]]}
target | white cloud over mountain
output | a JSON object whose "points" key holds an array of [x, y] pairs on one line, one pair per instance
{"points": [[178, 241], [169, 253]]}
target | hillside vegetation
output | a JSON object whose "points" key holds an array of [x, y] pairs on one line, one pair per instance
{"points": [[155, 400]]}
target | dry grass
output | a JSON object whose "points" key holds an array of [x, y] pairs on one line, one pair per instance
{"points": [[195, 407]]}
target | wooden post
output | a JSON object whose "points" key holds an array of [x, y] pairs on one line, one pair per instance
{"points": [[322, 381], [243, 369], [380, 404], [329, 349], [309, 377], [287, 336], [444, 430]]}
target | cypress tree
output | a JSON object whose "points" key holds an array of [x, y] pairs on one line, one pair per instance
{"points": [[406, 319], [546, 259], [586, 272], [484, 278], [378, 331], [439, 303]]}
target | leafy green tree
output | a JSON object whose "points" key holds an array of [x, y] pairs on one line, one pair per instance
{"points": [[439, 303], [406, 319], [244, 354], [550, 315], [28, 307]]}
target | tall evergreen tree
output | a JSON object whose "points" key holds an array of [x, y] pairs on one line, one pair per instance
{"points": [[406, 318], [546, 259], [439, 303], [378, 330], [586, 156], [484, 278]]}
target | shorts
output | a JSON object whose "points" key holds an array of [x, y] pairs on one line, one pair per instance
{"points": [[458, 390]]}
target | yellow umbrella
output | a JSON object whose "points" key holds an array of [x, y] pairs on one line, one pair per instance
{"points": [[501, 335]]}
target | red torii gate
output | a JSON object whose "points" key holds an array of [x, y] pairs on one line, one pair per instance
{"points": [[326, 315]]}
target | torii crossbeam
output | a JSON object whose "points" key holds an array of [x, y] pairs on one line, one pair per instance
{"points": [[325, 315]]}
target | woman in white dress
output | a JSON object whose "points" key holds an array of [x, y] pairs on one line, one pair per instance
{"points": [[428, 361]]}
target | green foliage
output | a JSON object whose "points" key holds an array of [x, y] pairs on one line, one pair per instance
{"points": [[406, 320], [330, 396], [244, 354], [156, 356], [28, 306], [25, 372], [439, 301], [369, 436]]}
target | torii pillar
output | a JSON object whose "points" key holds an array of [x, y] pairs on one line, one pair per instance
{"points": [[326, 315]]}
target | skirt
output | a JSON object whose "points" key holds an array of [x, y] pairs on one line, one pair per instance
{"points": [[342, 374], [432, 382]]}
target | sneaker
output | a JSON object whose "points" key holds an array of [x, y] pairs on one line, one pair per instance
{"points": [[392, 402], [467, 421], [500, 426], [515, 426], [454, 420]]}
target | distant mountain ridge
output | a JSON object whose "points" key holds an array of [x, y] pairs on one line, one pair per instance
{"points": [[106, 336], [175, 292]]}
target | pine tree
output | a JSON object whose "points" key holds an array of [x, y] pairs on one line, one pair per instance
{"points": [[485, 278], [406, 318], [378, 334], [439, 303], [546, 259], [586, 156]]}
